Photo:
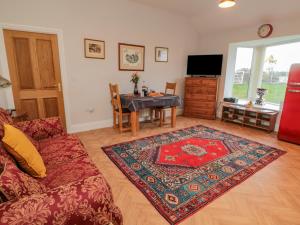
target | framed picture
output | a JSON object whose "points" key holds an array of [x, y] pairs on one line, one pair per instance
{"points": [[131, 57], [161, 54], [94, 49]]}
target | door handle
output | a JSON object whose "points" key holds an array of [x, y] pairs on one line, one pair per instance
{"points": [[294, 91], [58, 86], [295, 83]]}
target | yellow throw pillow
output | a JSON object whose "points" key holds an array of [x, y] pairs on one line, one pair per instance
{"points": [[18, 145]]}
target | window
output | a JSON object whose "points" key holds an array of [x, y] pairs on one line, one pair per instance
{"points": [[261, 64], [277, 63], [242, 73]]}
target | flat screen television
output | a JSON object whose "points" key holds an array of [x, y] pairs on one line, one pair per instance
{"points": [[204, 65]]}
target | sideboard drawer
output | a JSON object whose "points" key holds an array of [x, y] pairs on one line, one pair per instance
{"points": [[201, 82], [203, 114], [199, 104], [200, 97]]}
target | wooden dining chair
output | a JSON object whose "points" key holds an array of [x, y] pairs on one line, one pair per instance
{"points": [[118, 110], [161, 111], [170, 87]]}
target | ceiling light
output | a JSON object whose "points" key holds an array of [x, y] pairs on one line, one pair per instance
{"points": [[226, 3]]}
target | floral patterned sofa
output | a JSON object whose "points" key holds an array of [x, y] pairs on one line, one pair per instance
{"points": [[75, 191]]}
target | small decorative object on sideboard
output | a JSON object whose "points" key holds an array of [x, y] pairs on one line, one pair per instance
{"points": [[249, 104], [231, 99], [135, 79], [145, 89], [261, 93]]}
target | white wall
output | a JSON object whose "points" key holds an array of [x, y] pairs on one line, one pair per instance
{"points": [[112, 21], [219, 43], [3, 101]]}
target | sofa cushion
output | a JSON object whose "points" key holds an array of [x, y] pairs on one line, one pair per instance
{"points": [[66, 160], [15, 184], [61, 149], [40, 129], [34, 142], [71, 171], [25, 153]]}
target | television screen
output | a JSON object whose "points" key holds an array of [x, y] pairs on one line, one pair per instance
{"points": [[205, 65]]}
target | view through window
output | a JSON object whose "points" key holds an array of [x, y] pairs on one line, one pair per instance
{"points": [[242, 73], [277, 64]]}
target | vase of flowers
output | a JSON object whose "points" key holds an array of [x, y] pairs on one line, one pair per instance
{"points": [[135, 79]]}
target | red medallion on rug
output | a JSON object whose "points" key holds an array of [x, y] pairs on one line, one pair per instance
{"points": [[182, 171], [192, 152]]}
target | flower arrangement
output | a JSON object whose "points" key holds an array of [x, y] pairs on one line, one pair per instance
{"points": [[135, 77]]}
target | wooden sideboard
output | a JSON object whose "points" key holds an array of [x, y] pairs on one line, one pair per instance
{"points": [[260, 118], [200, 99]]}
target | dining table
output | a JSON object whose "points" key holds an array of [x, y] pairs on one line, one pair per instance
{"points": [[137, 103]]}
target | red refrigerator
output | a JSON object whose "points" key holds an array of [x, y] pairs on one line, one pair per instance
{"points": [[289, 129]]}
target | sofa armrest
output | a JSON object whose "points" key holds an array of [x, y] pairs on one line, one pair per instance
{"points": [[40, 129], [85, 202]]}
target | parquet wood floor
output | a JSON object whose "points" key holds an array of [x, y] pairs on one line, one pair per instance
{"points": [[269, 197]]}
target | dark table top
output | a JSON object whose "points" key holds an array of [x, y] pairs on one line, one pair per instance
{"points": [[136, 103]]}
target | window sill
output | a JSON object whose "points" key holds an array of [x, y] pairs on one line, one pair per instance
{"points": [[267, 105]]}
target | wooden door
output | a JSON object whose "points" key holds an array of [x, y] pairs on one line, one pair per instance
{"points": [[34, 67]]}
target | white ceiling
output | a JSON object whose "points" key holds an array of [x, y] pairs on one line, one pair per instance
{"points": [[207, 17]]}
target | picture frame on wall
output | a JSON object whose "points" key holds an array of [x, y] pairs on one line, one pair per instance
{"points": [[131, 57], [94, 48], [161, 54]]}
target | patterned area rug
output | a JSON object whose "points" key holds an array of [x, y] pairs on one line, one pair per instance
{"points": [[182, 171]]}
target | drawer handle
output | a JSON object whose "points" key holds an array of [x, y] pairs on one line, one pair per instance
{"points": [[294, 91], [295, 84]]}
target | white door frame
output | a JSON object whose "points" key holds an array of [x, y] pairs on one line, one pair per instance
{"points": [[5, 68]]}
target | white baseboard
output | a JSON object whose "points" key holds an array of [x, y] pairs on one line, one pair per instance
{"points": [[90, 126], [75, 128]]}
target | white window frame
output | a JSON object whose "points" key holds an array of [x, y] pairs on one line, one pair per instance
{"points": [[259, 47]]}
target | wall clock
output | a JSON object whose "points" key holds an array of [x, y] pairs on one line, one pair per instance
{"points": [[265, 30]]}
